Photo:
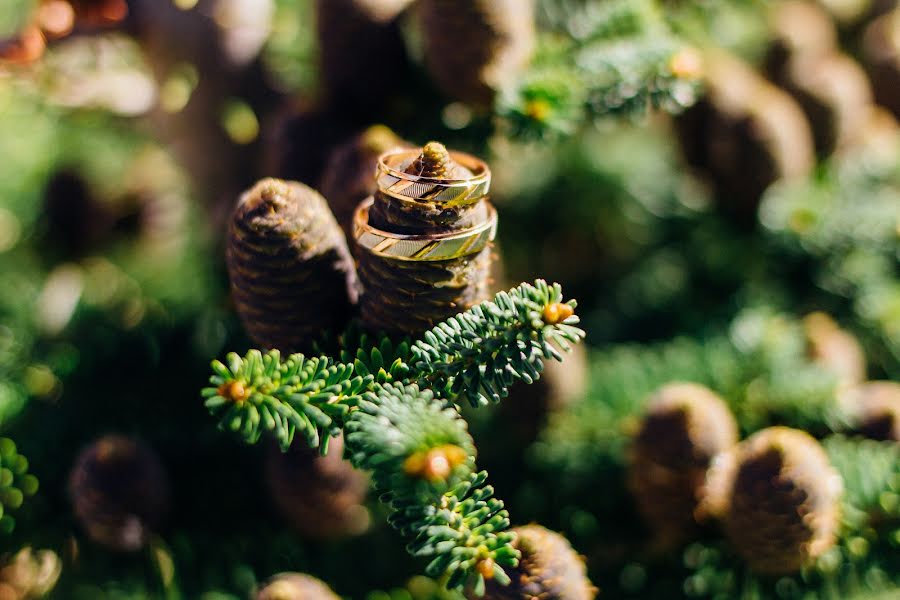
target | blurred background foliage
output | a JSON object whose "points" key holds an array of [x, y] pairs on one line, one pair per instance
{"points": [[699, 174]]}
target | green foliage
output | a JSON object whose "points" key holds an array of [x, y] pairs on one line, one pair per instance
{"points": [[15, 483], [479, 353], [597, 60], [396, 405], [261, 393], [452, 520], [846, 218]]}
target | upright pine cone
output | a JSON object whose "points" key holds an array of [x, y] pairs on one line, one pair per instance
{"points": [[320, 496], [874, 408], [361, 50], [686, 425], [119, 491], [291, 273], [409, 296], [778, 498], [881, 56], [548, 570], [834, 348], [295, 586], [347, 179], [744, 135], [474, 47]]}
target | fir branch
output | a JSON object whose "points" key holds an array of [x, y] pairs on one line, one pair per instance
{"points": [[479, 353], [422, 461], [260, 392]]}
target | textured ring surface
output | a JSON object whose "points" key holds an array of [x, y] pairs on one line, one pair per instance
{"points": [[393, 181], [443, 246]]}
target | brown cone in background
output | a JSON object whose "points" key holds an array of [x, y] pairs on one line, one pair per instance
{"points": [[834, 348], [685, 427], [119, 491], [549, 568], [28, 574], [474, 47], [347, 179], [778, 498], [881, 57], [321, 497], [744, 135], [292, 277], [295, 586], [361, 50], [409, 297], [874, 408]]}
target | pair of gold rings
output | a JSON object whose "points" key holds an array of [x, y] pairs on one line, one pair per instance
{"points": [[406, 187]]}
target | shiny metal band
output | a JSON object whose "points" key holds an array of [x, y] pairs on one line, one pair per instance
{"points": [[392, 181], [444, 246]]}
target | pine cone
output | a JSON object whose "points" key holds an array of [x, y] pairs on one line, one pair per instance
{"points": [[874, 407], [347, 179], [28, 574], [686, 425], [548, 570], [295, 586], [778, 498], [881, 56], [834, 348], [291, 273], [797, 28], [119, 491], [474, 47], [409, 297], [320, 496], [744, 135], [361, 51]]}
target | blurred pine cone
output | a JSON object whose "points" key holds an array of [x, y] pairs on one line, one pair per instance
{"points": [[874, 408], [27, 574], [361, 51], [119, 491], [320, 496], [348, 178], [295, 586], [744, 135], [686, 425], [881, 56], [778, 498], [797, 28], [474, 47], [548, 570], [409, 297], [834, 348], [292, 277]]}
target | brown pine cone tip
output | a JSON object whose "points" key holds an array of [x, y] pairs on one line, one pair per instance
{"points": [[409, 297], [347, 179], [474, 47], [549, 569], [874, 407], [295, 586], [686, 425], [119, 491], [834, 348], [291, 273], [29, 574], [321, 497], [778, 498]]}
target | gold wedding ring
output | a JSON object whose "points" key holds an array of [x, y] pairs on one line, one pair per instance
{"points": [[394, 182], [443, 246]]}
